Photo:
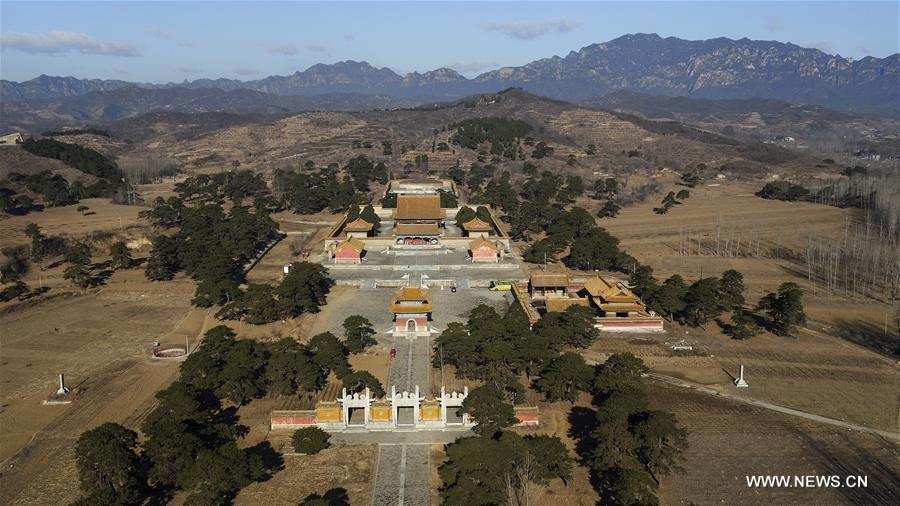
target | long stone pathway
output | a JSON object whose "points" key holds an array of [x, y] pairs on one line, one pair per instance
{"points": [[402, 476]]}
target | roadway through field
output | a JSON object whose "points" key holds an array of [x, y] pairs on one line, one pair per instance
{"points": [[402, 473]]}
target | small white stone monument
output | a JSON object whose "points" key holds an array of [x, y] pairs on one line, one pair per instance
{"points": [[740, 382], [62, 386]]}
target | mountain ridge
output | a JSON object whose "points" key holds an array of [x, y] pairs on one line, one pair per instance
{"points": [[718, 68]]}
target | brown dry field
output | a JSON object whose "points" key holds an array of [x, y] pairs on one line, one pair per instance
{"points": [[106, 217], [101, 341], [816, 371], [728, 441], [305, 231], [654, 239], [349, 467]]}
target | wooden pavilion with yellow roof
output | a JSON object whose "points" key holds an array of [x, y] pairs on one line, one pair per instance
{"points": [[483, 250], [419, 209], [411, 307], [476, 226], [358, 228], [349, 252], [418, 220], [619, 308]]}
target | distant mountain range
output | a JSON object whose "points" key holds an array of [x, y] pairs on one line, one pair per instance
{"points": [[647, 63]]}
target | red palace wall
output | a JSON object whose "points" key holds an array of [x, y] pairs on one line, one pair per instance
{"points": [[421, 321], [346, 255], [292, 421], [484, 255]]}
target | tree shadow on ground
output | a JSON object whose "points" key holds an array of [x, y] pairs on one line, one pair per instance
{"points": [[871, 336], [845, 458], [334, 497], [101, 277], [271, 459], [582, 421]]}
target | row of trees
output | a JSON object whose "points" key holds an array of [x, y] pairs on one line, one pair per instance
{"points": [[708, 298], [84, 159], [499, 350], [499, 466], [627, 446], [303, 290], [211, 245], [190, 439], [671, 199]]}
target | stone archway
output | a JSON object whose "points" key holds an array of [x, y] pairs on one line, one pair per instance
{"points": [[412, 325]]}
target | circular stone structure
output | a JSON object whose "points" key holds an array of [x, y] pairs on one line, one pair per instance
{"points": [[170, 352]]}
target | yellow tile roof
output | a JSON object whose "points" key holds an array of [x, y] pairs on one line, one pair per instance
{"points": [[358, 225], [548, 279], [476, 225], [481, 242], [352, 242], [609, 292], [416, 229], [560, 304], [411, 294], [419, 207]]}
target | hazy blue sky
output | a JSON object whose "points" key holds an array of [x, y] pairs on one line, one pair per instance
{"points": [[162, 41]]}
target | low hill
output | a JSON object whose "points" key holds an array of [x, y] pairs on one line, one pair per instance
{"points": [[112, 105], [810, 125], [285, 141]]}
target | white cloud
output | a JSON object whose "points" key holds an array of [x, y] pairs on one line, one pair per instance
{"points": [[286, 49], [58, 42], [245, 71], [773, 24], [530, 30], [315, 48]]}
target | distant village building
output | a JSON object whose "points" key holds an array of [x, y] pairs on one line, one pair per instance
{"points": [[349, 252], [411, 308], [864, 154], [476, 227], [483, 250], [11, 139], [358, 228]]}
